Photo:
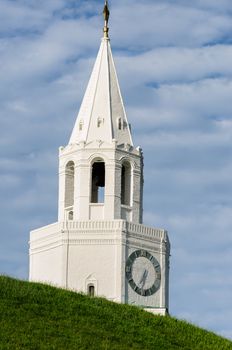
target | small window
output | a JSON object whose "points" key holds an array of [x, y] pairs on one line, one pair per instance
{"points": [[81, 125], [91, 290], [100, 121], [120, 124], [70, 215]]}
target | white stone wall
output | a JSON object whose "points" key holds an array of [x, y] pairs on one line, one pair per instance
{"points": [[73, 254], [47, 255]]}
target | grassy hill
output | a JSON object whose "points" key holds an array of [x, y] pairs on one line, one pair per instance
{"points": [[36, 316]]}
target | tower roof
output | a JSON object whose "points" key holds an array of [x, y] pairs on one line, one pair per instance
{"points": [[102, 114]]}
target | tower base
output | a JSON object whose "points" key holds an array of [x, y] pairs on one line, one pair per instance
{"points": [[91, 257]]}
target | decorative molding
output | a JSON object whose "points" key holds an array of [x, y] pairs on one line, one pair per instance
{"points": [[71, 242], [45, 247], [117, 227], [143, 245], [91, 241]]}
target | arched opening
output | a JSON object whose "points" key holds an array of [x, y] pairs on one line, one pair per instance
{"points": [[69, 185], [91, 290], [70, 215], [98, 182], [126, 184]]}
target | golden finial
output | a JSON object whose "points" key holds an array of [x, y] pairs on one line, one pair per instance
{"points": [[106, 15]]}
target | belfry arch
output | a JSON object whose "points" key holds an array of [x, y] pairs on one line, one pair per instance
{"points": [[126, 181], [98, 181], [69, 185]]}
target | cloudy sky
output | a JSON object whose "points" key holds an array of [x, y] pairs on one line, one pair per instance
{"points": [[174, 61]]}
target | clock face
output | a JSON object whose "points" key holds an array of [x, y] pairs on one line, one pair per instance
{"points": [[143, 273]]}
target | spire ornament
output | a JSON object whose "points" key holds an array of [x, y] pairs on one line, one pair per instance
{"points": [[106, 15]]}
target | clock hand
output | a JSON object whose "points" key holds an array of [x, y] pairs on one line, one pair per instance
{"points": [[143, 278]]}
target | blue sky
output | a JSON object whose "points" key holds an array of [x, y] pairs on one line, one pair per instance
{"points": [[174, 61]]}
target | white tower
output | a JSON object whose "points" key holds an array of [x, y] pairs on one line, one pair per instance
{"points": [[99, 245]]}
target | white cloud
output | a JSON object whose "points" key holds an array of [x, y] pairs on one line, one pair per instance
{"points": [[172, 65], [166, 23]]}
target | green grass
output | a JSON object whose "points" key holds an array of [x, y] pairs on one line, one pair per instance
{"points": [[35, 316]]}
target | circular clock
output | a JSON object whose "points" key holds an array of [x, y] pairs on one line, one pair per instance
{"points": [[143, 273]]}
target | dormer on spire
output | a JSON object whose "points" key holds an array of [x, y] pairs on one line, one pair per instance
{"points": [[106, 15]]}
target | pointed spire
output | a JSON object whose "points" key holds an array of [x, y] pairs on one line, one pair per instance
{"points": [[106, 15], [102, 114]]}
